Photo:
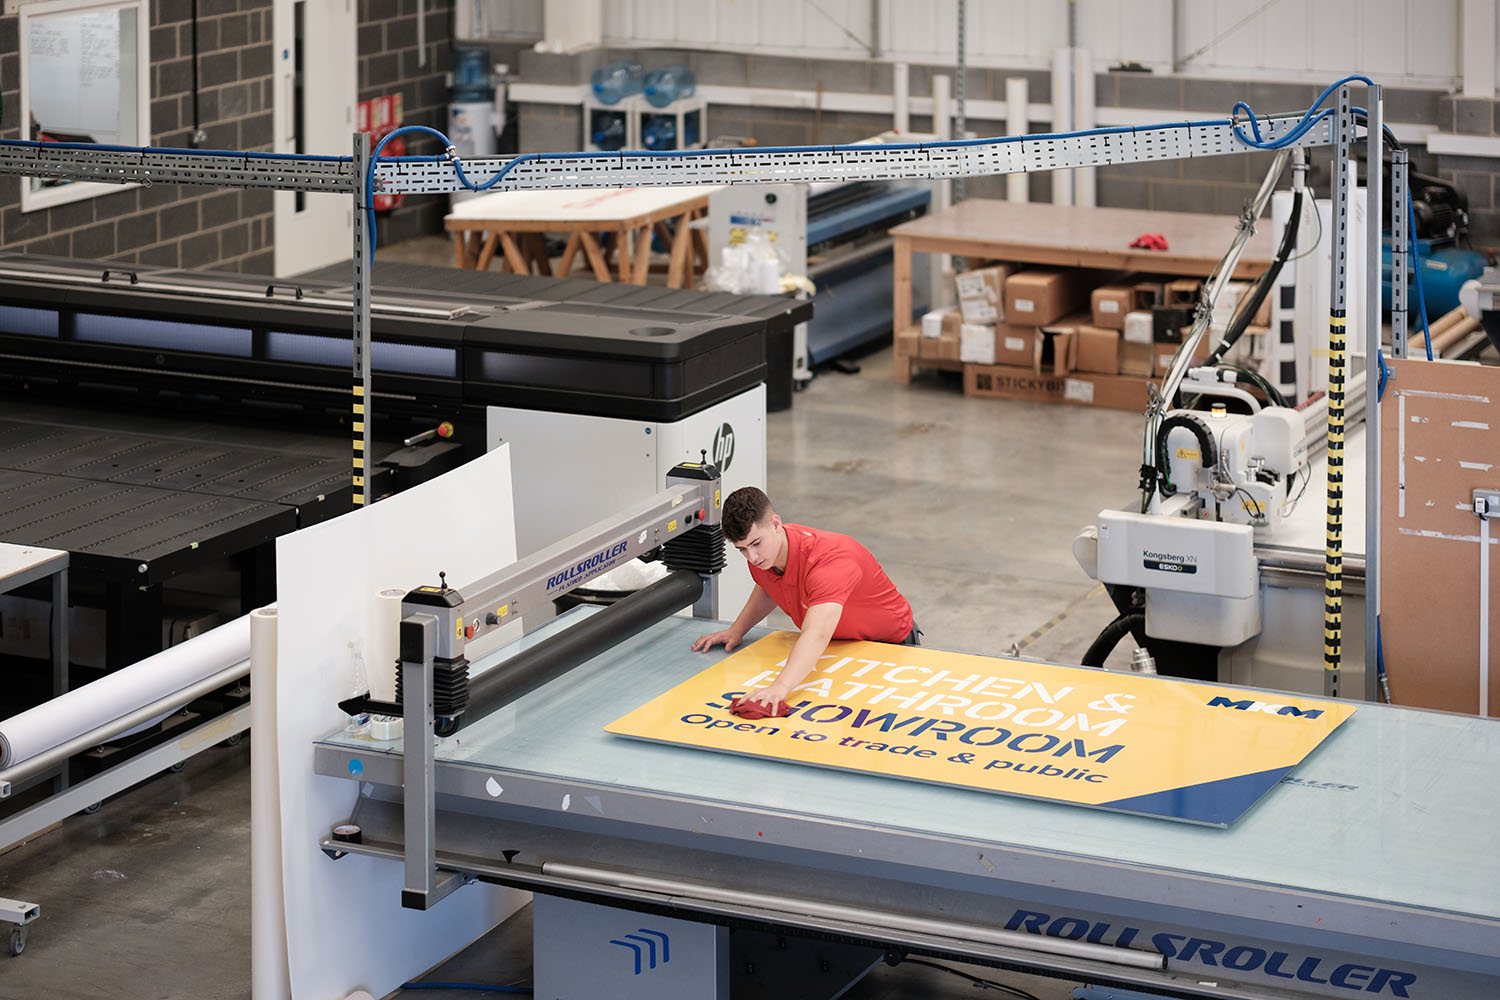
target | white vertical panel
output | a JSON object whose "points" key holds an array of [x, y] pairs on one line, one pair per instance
{"points": [[510, 18], [783, 23], [1145, 32], [1432, 38], [738, 23], [697, 22], [827, 27], [1282, 34], [1045, 30]]}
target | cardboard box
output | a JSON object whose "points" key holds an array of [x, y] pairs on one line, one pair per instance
{"points": [[1008, 382], [1148, 294], [1035, 298], [907, 342], [1262, 315], [981, 293], [1056, 347], [1013, 344], [1109, 304], [1167, 323], [976, 344], [940, 321], [1098, 350], [1182, 292], [1163, 354], [1136, 344]]}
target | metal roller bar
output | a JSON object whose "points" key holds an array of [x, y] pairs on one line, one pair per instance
{"points": [[583, 641], [86, 741], [890, 920]]}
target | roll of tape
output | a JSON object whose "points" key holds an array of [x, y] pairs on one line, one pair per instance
{"points": [[347, 833], [385, 727]]}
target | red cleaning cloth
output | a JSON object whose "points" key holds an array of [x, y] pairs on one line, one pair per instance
{"points": [[755, 710], [1150, 241]]}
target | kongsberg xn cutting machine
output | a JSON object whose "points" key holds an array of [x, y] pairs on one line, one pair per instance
{"points": [[664, 871]]}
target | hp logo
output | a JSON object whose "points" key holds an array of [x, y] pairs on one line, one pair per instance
{"points": [[723, 450]]}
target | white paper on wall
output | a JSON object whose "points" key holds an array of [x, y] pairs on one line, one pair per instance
{"points": [[345, 926]]}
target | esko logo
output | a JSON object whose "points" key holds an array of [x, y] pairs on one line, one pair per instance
{"points": [[723, 447], [650, 952], [1266, 707]]}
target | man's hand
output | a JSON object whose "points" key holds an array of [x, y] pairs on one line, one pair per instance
{"points": [[770, 697], [727, 638]]}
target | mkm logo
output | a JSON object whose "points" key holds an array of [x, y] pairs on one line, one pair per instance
{"points": [[650, 943], [1266, 707], [723, 447]]}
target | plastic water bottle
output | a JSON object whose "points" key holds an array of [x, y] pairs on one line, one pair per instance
{"points": [[359, 724], [609, 131], [659, 132], [665, 85], [471, 75], [616, 81]]}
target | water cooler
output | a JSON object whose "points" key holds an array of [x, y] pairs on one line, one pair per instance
{"points": [[476, 113]]}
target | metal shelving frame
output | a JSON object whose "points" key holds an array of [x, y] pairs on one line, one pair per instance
{"points": [[754, 165]]}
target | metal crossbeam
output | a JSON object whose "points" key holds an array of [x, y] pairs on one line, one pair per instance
{"points": [[436, 175], [922, 161], [117, 165]]}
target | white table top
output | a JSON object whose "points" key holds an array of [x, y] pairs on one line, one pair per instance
{"points": [[591, 205], [18, 559]]}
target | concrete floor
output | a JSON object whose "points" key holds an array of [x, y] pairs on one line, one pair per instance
{"points": [[970, 504]]}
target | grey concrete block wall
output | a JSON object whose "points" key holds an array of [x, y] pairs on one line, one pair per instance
{"points": [[168, 224]]}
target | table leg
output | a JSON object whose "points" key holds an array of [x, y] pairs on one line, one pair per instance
{"points": [[536, 253], [622, 254], [595, 256], [565, 266], [513, 255], [460, 254], [484, 250], [642, 256], [679, 271], [900, 303]]}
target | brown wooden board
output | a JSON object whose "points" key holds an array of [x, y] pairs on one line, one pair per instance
{"points": [[1440, 439]]}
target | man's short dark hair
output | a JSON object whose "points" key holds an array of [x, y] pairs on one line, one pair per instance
{"points": [[745, 508]]}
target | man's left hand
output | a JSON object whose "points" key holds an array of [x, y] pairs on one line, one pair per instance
{"points": [[768, 697]]}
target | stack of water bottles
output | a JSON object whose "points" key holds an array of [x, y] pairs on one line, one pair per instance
{"points": [[613, 84]]}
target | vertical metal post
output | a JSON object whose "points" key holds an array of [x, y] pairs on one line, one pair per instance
{"points": [[1374, 143], [958, 92], [1333, 562], [60, 653], [418, 644], [1400, 248], [362, 408]]}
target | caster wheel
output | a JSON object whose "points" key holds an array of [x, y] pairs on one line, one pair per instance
{"points": [[18, 940], [234, 740], [90, 810], [177, 767]]}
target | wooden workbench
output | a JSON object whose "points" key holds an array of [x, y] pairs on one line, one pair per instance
{"points": [[512, 223], [1066, 236]]}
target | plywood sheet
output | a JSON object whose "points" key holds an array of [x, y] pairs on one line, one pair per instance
{"points": [[1440, 439]]}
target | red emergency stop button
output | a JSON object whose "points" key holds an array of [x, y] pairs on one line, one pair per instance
{"points": [[702, 514], [468, 631]]}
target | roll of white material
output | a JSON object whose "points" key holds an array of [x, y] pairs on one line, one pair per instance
{"points": [[269, 977], [84, 709], [385, 644]]}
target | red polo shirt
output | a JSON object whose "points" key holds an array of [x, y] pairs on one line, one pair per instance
{"points": [[824, 567]]}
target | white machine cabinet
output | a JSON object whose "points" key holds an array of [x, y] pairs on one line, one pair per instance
{"points": [[571, 470]]}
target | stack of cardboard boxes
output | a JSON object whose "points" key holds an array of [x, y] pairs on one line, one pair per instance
{"points": [[1052, 322]]}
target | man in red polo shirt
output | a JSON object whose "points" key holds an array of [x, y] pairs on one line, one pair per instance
{"points": [[828, 583]]}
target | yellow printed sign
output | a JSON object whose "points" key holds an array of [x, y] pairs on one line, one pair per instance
{"points": [[1182, 750]]}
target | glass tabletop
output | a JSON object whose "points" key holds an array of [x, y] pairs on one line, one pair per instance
{"points": [[1397, 805]]}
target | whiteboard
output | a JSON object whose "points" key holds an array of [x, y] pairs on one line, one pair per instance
{"points": [[73, 71]]}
